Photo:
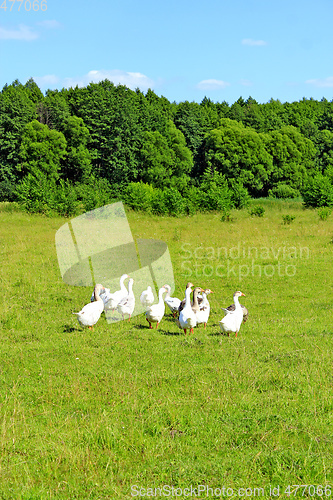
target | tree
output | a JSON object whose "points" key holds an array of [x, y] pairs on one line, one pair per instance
{"points": [[318, 192], [16, 110], [292, 157], [239, 152], [77, 163], [325, 150], [42, 150], [182, 159], [166, 161], [156, 160]]}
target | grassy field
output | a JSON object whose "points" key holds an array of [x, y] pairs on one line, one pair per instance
{"points": [[123, 411]]}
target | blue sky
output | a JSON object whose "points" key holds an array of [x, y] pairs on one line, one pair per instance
{"points": [[183, 50]]}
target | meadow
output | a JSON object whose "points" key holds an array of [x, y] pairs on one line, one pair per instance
{"points": [[122, 411]]}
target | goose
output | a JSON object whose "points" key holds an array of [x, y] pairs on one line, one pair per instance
{"points": [[232, 308], [204, 308], [127, 304], [90, 313], [182, 304], [172, 302], [147, 297], [155, 312], [111, 300], [233, 319], [187, 317], [195, 303]]}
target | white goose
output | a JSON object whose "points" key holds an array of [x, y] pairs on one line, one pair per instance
{"points": [[233, 319], [147, 297], [172, 302], [204, 308], [182, 304], [111, 300], [90, 313], [244, 309], [127, 304], [155, 313], [187, 317]]}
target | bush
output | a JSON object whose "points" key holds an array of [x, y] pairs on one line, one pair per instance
{"points": [[318, 192], [95, 193], [141, 196], [283, 191], [288, 219], [7, 190], [239, 194], [39, 194], [215, 193], [324, 212], [194, 200], [257, 211], [174, 203]]}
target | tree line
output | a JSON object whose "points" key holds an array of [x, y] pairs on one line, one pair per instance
{"points": [[79, 148]]}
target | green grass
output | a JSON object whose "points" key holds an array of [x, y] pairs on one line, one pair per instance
{"points": [[89, 414]]}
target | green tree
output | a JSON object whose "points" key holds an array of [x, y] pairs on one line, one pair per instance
{"points": [[239, 152], [156, 160], [318, 192], [182, 159], [215, 193], [42, 150], [77, 163], [53, 111], [166, 161], [16, 110], [293, 157], [325, 150]]}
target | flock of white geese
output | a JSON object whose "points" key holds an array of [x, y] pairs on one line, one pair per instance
{"points": [[188, 313]]}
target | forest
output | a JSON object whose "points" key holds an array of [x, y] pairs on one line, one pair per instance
{"points": [[75, 149]]}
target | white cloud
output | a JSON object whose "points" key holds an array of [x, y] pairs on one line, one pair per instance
{"points": [[23, 32], [321, 82], [130, 79], [50, 24], [46, 81], [253, 43], [212, 84]]}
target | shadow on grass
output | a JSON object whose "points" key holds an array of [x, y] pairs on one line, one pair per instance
{"points": [[218, 334], [167, 332], [169, 318], [159, 329], [69, 329]]}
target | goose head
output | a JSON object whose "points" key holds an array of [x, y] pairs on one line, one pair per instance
{"points": [[98, 289]]}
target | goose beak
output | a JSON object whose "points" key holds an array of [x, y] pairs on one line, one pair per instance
{"points": [[243, 294]]}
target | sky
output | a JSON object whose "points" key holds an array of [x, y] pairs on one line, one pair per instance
{"points": [[184, 50]]}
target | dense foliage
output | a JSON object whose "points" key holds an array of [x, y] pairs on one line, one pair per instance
{"points": [[77, 148]]}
